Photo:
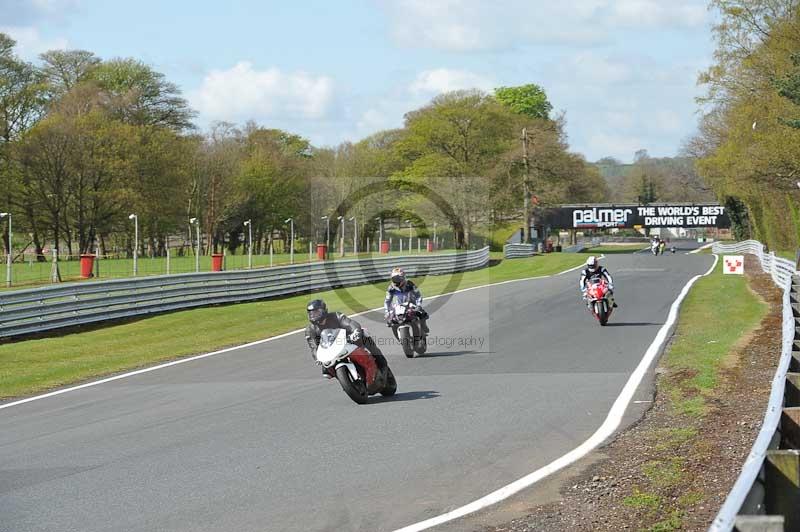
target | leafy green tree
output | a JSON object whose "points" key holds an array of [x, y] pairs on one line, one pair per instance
{"points": [[143, 96], [529, 100], [63, 69], [789, 88]]}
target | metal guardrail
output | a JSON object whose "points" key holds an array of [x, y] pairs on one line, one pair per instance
{"points": [[43, 309], [765, 484], [517, 251]]}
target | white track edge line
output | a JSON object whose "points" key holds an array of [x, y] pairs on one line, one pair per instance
{"points": [[242, 346], [605, 430], [701, 248]]}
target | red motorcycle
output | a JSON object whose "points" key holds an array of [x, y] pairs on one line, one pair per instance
{"points": [[597, 300]]}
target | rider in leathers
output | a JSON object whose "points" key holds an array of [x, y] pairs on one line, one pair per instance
{"points": [[320, 319], [593, 270], [401, 285]]}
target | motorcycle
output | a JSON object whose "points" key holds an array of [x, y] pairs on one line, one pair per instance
{"points": [[654, 248], [597, 300], [354, 367], [405, 323]]}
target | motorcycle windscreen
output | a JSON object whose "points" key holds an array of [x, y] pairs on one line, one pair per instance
{"points": [[331, 344]]}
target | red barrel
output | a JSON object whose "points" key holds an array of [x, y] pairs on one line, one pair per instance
{"points": [[549, 248], [87, 264], [322, 250], [216, 262], [430, 246], [384, 246]]}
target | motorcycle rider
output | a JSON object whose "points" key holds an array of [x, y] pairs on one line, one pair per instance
{"points": [[320, 319], [594, 270], [400, 285]]}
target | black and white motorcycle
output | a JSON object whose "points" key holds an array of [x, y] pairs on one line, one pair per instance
{"points": [[407, 327]]}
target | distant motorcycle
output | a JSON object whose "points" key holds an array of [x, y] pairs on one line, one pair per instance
{"points": [[354, 367], [405, 323], [597, 300]]}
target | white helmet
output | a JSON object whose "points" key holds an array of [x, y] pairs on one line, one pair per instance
{"points": [[592, 263]]}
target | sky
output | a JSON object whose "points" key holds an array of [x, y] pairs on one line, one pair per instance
{"points": [[623, 71]]}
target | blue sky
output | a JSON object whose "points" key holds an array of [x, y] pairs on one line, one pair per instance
{"points": [[623, 71]]}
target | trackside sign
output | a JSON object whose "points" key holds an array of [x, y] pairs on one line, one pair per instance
{"points": [[629, 216]]}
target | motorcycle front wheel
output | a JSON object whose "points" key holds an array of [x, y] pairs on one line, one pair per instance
{"points": [[602, 312], [406, 341], [356, 390]]}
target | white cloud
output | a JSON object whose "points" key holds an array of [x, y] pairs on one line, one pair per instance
{"points": [[243, 93], [474, 25], [30, 43], [26, 12], [439, 80]]}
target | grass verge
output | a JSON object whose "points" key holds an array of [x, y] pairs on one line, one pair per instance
{"points": [[694, 362], [31, 366]]}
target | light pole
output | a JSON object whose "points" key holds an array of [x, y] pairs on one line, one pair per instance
{"points": [[526, 193], [9, 258], [249, 225], [434, 235], [291, 239], [410, 229], [341, 239], [327, 234], [355, 234], [196, 222], [380, 232], [135, 242]]}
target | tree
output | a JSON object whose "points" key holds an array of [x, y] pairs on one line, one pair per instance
{"points": [[789, 88], [529, 100], [63, 69], [142, 95]]}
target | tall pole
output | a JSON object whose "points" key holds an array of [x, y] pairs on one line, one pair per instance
{"points": [[410, 229], [291, 240], [526, 193], [249, 224], [355, 234], [135, 243], [196, 223], [434, 236], [10, 253], [380, 232], [341, 238], [327, 234]]}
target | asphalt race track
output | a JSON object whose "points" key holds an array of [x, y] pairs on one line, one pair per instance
{"points": [[254, 439]]}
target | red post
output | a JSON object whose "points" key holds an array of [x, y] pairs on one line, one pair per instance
{"points": [[430, 246], [87, 263], [322, 251], [384, 246], [216, 262]]}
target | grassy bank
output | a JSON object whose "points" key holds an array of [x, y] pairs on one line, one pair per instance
{"points": [[32, 366], [717, 317]]}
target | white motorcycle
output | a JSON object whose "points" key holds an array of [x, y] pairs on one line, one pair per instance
{"points": [[354, 367]]}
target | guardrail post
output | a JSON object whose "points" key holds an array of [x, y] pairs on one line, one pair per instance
{"points": [[782, 482], [758, 523], [791, 395], [790, 428]]}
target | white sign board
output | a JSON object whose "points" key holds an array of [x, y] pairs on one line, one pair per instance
{"points": [[733, 264]]}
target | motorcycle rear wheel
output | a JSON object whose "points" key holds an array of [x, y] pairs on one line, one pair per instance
{"points": [[356, 390], [422, 345], [391, 384]]}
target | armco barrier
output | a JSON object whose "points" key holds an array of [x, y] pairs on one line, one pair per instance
{"points": [[53, 307], [517, 251], [766, 495]]}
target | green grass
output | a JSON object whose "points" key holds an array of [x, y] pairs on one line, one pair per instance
{"points": [[622, 248], [35, 365], [642, 500], [787, 254], [664, 474], [30, 274], [719, 310]]}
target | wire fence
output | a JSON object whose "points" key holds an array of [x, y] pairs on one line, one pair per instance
{"points": [[29, 269]]}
